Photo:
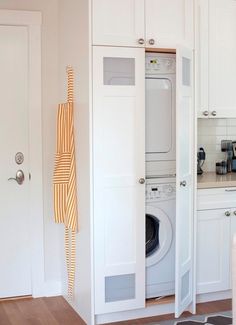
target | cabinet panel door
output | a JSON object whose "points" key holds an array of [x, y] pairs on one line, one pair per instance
{"points": [[201, 58], [184, 291], [222, 54], [169, 22], [119, 23], [119, 165], [213, 251]]}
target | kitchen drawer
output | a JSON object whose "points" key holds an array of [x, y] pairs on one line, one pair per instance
{"points": [[216, 198]]}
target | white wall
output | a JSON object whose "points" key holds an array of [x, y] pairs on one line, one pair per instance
{"points": [[210, 134], [49, 9], [74, 48]]}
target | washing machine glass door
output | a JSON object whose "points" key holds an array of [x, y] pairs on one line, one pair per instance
{"points": [[159, 235]]}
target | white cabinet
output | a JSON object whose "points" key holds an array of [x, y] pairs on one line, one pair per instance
{"points": [[119, 176], [143, 23], [216, 52], [169, 23], [213, 253], [118, 22]]}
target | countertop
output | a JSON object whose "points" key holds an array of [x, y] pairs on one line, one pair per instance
{"points": [[212, 180]]}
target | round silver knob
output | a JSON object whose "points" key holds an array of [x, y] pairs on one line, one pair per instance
{"points": [[183, 183], [213, 113], [141, 41], [151, 41], [205, 113], [227, 213], [142, 180]]}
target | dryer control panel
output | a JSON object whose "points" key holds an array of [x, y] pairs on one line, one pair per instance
{"points": [[156, 64], [156, 192]]}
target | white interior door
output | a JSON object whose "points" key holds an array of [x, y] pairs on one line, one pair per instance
{"points": [[119, 171], [15, 270], [184, 180]]}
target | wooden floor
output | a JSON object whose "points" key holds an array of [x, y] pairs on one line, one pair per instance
{"points": [[56, 311]]}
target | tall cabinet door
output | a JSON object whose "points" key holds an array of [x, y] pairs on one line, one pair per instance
{"points": [[168, 23], [119, 172], [118, 23], [184, 180], [222, 54]]}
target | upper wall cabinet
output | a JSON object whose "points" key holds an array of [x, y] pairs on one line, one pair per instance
{"points": [[143, 23], [216, 53], [118, 23], [169, 23]]}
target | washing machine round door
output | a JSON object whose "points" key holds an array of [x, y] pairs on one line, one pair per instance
{"points": [[159, 235]]}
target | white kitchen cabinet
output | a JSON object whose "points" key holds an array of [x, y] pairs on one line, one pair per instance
{"points": [[118, 23], [119, 177], [143, 23], [213, 250], [169, 23], [216, 52]]}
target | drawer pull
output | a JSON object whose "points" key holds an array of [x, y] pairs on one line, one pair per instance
{"points": [[233, 190], [227, 213]]}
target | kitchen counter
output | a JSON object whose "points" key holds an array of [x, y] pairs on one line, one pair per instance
{"points": [[212, 180]]}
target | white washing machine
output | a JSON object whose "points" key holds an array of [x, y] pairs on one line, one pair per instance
{"points": [[160, 237]]}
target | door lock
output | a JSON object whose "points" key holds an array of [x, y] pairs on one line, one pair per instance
{"points": [[20, 177]]}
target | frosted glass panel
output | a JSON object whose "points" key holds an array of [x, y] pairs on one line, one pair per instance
{"points": [[119, 71], [119, 287], [185, 286], [186, 64]]}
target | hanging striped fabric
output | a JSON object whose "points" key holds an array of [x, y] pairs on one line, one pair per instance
{"points": [[64, 180]]}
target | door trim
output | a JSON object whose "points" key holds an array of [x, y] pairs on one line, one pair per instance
{"points": [[32, 20]]}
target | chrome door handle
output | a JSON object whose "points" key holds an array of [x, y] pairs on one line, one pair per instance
{"points": [[20, 177], [151, 41], [183, 183], [142, 180], [141, 41], [213, 113]]}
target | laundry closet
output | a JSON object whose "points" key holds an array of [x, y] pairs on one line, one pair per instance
{"points": [[138, 212]]}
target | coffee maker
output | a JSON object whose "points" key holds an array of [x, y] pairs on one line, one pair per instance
{"points": [[234, 156], [201, 156]]}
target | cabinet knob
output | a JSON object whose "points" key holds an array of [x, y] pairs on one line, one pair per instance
{"points": [[205, 113], [151, 41], [213, 113], [141, 41], [227, 213], [183, 183], [142, 180]]}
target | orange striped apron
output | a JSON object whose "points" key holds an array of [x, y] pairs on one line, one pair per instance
{"points": [[64, 180]]}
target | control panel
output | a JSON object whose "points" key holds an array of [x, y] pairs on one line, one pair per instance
{"points": [[156, 192], [159, 65]]}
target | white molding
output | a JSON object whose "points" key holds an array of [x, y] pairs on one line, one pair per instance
{"points": [[213, 296], [32, 21], [20, 17]]}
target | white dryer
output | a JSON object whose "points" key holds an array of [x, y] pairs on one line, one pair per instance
{"points": [[160, 237], [160, 113]]}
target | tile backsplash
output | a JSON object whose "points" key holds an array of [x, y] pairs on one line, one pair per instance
{"points": [[210, 134]]}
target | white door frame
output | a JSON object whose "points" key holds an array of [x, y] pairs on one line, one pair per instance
{"points": [[32, 20]]}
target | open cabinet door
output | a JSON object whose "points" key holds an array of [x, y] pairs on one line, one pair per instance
{"points": [[184, 293], [119, 178]]}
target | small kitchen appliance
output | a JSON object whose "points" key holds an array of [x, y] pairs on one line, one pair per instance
{"points": [[234, 157], [201, 157], [227, 146]]}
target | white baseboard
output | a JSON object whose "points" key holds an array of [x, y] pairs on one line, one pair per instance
{"points": [[49, 289], [214, 296]]}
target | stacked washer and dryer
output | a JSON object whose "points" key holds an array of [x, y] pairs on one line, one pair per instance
{"points": [[160, 174]]}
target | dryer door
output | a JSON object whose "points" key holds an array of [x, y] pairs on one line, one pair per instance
{"points": [[159, 235]]}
